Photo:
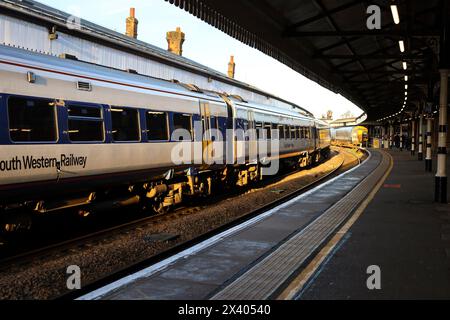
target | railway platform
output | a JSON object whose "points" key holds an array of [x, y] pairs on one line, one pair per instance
{"points": [[403, 232], [263, 257], [320, 244]]}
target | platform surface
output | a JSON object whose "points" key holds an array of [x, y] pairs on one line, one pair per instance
{"points": [[213, 271], [403, 232]]}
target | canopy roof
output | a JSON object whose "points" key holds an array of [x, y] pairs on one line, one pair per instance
{"points": [[329, 42]]}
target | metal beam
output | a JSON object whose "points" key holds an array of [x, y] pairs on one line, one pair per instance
{"points": [[336, 44], [337, 29], [367, 56], [362, 33], [322, 15], [384, 72]]}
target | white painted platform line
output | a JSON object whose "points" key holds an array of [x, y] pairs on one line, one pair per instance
{"points": [[147, 272]]}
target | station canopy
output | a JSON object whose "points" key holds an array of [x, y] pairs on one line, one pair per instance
{"points": [[329, 42]]}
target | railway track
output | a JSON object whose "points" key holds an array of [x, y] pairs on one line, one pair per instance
{"points": [[89, 240]]}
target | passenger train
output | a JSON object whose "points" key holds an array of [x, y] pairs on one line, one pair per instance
{"points": [[350, 136], [86, 137]]}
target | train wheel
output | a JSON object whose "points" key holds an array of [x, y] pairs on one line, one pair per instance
{"points": [[16, 223], [317, 158], [159, 208]]}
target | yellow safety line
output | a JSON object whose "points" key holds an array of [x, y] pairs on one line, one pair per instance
{"points": [[298, 283]]}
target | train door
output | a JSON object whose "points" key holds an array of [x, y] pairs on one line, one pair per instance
{"points": [[316, 137], [207, 143], [252, 136], [229, 136], [241, 135]]}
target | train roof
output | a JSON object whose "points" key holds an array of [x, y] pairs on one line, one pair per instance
{"points": [[42, 14], [21, 56]]}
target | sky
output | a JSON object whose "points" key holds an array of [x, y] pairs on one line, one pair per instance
{"points": [[210, 47]]}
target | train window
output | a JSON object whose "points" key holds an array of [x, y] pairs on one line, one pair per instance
{"points": [[275, 131], [245, 125], [268, 127], [31, 120], [85, 130], [307, 133], [157, 126], [214, 121], [83, 111], [182, 121], [293, 133], [297, 132], [258, 127], [125, 124], [85, 123], [281, 131], [286, 132]]}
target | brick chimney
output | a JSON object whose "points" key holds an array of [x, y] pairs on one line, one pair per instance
{"points": [[175, 40], [231, 67], [132, 24]]}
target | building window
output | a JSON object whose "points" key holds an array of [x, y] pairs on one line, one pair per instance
{"points": [[85, 123], [157, 128], [32, 120], [182, 121], [125, 124]]}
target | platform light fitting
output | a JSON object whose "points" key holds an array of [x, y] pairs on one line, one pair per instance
{"points": [[404, 65], [395, 14], [401, 44], [406, 87], [406, 78]]}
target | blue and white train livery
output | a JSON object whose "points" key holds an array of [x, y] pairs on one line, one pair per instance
{"points": [[77, 135]]}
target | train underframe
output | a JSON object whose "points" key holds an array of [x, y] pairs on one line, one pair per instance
{"points": [[155, 197]]}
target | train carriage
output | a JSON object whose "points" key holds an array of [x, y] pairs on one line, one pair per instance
{"points": [[350, 136], [74, 131]]}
